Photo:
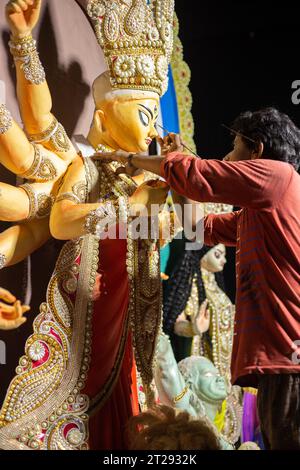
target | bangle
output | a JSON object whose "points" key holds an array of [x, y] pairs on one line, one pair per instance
{"points": [[2, 260], [24, 50], [97, 219], [42, 169], [178, 397], [123, 209], [5, 119], [55, 134]]}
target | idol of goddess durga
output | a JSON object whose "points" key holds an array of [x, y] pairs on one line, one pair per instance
{"points": [[75, 386]]}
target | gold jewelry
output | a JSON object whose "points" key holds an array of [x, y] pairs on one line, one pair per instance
{"points": [[24, 50], [137, 40], [55, 134], [3, 260], [77, 195], [96, 220], [180, 395], [5, 119], [40, 204], [42, 168]]}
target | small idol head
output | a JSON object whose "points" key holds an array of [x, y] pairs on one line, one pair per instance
{"points": [[215, 259], [203, 378]]}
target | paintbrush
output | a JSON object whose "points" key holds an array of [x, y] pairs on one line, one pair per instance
{"points": [[185, 146]]}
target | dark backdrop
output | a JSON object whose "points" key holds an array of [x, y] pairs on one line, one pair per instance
{"points": [[243, 55]]}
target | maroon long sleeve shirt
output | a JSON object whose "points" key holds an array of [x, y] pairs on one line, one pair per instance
{"points": [[266, 233]]}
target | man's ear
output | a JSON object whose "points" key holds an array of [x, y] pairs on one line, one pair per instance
{"points": [[257, 153]]}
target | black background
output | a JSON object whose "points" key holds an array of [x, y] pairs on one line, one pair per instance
{"points": [[243, 55]]}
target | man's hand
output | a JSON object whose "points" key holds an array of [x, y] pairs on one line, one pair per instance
{"points": [[119, 156], [11, 316], [22, 16], [170, 143]]}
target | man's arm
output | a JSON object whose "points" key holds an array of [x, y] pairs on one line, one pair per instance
{"points": [[221, 228], [251, 183], [255, 184]]}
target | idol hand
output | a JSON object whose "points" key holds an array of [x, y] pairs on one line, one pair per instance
{"points": [[22, 16], [11, 316], [148, 194], [202, 320]]}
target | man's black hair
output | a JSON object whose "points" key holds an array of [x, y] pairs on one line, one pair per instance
{"points": [[278, 133]]}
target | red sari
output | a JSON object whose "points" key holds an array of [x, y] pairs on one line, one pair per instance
{"points": [[111, 413]]}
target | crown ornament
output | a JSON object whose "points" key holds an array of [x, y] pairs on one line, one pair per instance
{"points": [[137, 41]]}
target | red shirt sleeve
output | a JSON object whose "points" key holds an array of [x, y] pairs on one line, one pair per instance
{"points": [[221, 228], [256, 184]]}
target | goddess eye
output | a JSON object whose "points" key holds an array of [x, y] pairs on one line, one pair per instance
{"points": [[144, 118]]}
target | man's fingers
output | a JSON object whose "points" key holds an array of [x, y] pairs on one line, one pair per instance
{"points": [[160, 141], [178, 140], [103, 156]]}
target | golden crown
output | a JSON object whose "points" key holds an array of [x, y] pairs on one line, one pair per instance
{"points": [[137, 41]]}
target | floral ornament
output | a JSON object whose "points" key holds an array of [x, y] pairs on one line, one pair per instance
{"points": [[96, 10], [74, 437], [145, 66], [162, 67], [5, 119], [125, 66], [2, 260], [166, 32], [153, 34], [37, 351]]}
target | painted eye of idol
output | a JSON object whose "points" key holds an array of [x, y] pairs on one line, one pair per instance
{"points": [[218, 253], [144, 118], [145, 114]]}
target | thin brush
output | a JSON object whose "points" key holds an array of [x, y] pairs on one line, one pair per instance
{"points": [[185, 146]]}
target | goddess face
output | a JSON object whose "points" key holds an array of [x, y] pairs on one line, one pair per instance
{"points": [[215, 259], [210, 385], [131, 123]]}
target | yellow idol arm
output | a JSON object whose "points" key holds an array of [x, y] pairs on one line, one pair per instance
{"points": [[14, 203], [19, 241], [16, 152], [69, 212], [35, 104]]}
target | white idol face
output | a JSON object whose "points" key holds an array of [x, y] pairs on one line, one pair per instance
{"points": [[215, 259]]}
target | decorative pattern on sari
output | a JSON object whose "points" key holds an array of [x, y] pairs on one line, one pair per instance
{"points": [[44, 408]]}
